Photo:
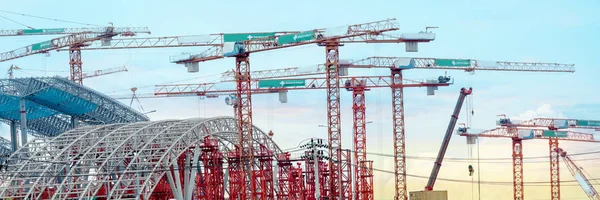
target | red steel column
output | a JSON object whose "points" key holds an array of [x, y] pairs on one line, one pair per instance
{"points": [[333, 116], [554, 170], [346, 174], [517, 156], [398, 132], [361, 185], [75, 62], [244, 114]]}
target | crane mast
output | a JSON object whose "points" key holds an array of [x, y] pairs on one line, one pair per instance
{"points": [[585, 184], [438, 162]]}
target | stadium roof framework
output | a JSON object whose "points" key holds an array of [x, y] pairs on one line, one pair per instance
{"points": [[129, 157], [55, 105]]}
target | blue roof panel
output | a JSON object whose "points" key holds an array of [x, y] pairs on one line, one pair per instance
{"points": [[63, 102], [54, 103], [9, 108]]}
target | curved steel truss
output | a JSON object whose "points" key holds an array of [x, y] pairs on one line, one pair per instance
{"points": [[53, 104], [117, 161]]}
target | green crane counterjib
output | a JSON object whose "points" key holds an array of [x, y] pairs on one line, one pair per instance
{"points": [[438, 162]]}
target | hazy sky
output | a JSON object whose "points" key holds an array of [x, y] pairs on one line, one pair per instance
{"points": [[509, 30]]}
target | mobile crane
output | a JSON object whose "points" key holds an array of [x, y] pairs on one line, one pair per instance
{"points": [[438, 162], [585, 184]]}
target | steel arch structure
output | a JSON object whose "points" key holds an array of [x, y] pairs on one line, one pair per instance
{"points": [[120, 157]]}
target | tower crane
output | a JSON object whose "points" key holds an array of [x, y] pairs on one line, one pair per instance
{"points": [[244, 45], [96, 73], [359, 33], [518, 133], [355, 84], [74, 42], [363, 171], [394, 64], [454, 117], [398, 64], [584, 183]]}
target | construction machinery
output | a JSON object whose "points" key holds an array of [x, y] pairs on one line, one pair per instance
{"points": [[393, 63], [579, 176], [242, 46], [96, 73], [221, 44], [527, 130], [445, 142], [453, 119], [74, 42]]}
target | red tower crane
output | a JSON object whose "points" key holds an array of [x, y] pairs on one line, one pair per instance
{"points": [[363, 170], [241, 48], [360, 33], [395, 64], [96, 73], [519, 133], [398, 64], [74, 42]]}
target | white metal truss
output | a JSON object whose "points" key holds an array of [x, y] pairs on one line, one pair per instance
{"points": [[120, 157]]}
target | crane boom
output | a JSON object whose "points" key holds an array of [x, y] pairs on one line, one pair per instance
{"points": [[438, 162], [277, 73], [583, 181], [77, 39], [215, 41], [126, 31], [286, 84], [213, 89], [563, 123], [417, 63], [468, 65], [366, 33], [105, 72], [209, 40], [531, 133]]}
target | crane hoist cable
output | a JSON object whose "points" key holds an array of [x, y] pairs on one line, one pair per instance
{"points": [[478, 172], [51, 19], [9, 19]]}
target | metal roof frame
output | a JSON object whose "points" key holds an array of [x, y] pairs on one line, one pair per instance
{"points": [[51, 102], [141, 151]]}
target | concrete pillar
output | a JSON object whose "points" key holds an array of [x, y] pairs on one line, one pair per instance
{"points": [[14, 139], [22, 110]]}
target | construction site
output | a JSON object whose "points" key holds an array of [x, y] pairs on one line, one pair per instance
{"points": [[181, 102]]}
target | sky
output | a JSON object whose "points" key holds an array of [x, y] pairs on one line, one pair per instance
{"points": [[509, 30]]}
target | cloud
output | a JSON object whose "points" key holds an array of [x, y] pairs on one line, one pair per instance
{"points": [[545, 110]]}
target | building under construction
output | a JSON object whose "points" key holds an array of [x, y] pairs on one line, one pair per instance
{"points": [[87, 145]]}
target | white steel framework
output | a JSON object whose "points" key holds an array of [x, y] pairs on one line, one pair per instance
{"points": [[120, 157]]}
